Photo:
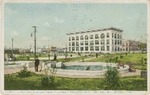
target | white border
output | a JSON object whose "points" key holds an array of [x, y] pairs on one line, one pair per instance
{"points": [[70, 92]]}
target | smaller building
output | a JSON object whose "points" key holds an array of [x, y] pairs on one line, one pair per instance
{"points": [[130, 45]]}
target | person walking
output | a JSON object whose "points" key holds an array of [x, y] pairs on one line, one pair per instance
{"points": [[37, 62]]}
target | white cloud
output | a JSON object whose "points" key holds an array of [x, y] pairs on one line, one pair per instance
{"points": [[58, 20]]}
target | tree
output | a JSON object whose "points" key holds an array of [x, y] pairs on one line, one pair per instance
{"points": [[112, 79]]}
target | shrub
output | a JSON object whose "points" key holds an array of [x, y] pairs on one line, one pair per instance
{"points": [[145, 59], [47, 80], [112, 79], [24, 73], [121, 56], [116, 59]]}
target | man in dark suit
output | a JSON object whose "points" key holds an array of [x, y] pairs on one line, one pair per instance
{"points": [[37, 62]]}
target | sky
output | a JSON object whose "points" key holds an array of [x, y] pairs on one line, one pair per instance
{"points": [[54, 20]]}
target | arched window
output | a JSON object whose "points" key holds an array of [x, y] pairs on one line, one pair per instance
{"points": [[86, 37], [107, 35], [102, 35], [96, 36], [81, 38], [91, 36]]}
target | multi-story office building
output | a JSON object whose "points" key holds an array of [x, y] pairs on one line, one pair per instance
{"points": [[107, 40]]}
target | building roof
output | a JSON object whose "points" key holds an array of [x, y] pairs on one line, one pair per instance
{"points": [[111, 28]]}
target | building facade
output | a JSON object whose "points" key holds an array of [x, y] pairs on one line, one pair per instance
{"points": [[107, 40], [130, 45]]}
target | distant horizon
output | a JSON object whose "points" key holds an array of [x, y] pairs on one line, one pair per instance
{"points": [[53, 21]]}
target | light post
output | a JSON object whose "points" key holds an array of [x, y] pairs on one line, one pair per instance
{"points": [[48, 51], [12, 48], [34, 41], [66, 52]]}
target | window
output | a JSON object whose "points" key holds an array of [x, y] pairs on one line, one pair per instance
{"points": [[102, 48], [81, 48], [112, 41], [118, 49], [77, 48], [73, 44], [118, 36], [86, 42], [86, 48], [72, 48], [118, 42], [91, 36], [107, 41], [96, 48], [115, 36], [102, 35], [69, 39], [77, 43], [81, 43], [77, 37], [102, 42], [107, 35], [115, 42], [96, 36], [91, 48], [73, 38], [91, 43], [96, 42], [115, 48], [107, 48], [69, 48], [86, 37], [112, 35], [69, 44], [81, 38]]}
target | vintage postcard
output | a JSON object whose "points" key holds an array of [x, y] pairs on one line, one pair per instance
{"points": [[74, 47]]}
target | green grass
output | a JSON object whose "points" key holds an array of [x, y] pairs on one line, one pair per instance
{"points": [[12, 82], [135, 59]]}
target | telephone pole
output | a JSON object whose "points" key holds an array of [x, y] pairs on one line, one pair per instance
{"points": [[34, 41], [12, 48]]}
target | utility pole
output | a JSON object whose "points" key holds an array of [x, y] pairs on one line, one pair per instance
{"points": [[12, 48], [66, 51], [48, 50], [34, 41]]}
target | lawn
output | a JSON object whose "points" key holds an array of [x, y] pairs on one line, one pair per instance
{"points": [[135, 59], [12, 82]]}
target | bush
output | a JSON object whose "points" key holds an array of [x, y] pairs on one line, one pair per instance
{"points": [[112, 79], [121, 56], [47, 81], [24, 73]]}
